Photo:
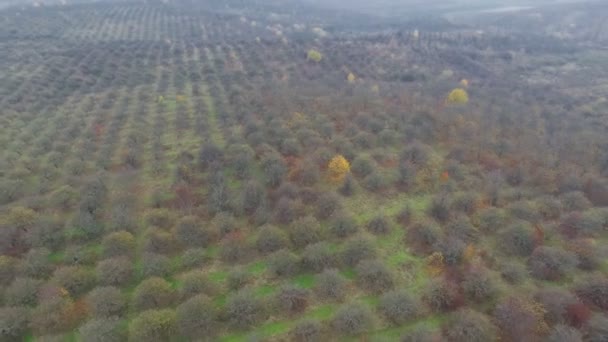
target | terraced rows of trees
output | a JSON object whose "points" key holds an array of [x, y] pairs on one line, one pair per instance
{"points": [[178, 173]]}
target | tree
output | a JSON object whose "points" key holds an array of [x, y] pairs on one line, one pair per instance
{"points": [[314, 55], [468, 325], [75, 279], [307, 330], [317, 256], [243, 309], [564, 333], [338, 168], [353, 319], [152, 293], [374, 276], [13, 323], [284, 263], [108, 329], [22, 291], [458, 96], [153, 325], [399, 306], [292, 299], [114, 271], [270, 239], [551, 263], [331, 285], [118, 244], [106, 301], [196, 318]]}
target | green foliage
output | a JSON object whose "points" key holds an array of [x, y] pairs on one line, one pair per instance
{"points": [[314, 55]]}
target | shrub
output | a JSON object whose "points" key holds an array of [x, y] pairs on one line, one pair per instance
{"points": [[468, 325], [491, 219], [120, 243], [80, 255], [524, 210], [270, 239], [153, 264], [22, 291], [47, 231], [551, 263], [76, 279], [353, 319], [596, 329], [194, 283], [274, 169], [363, 166], [291, 299], [327, 204], [193, 257], [331, 285], [549, 207], [153, 325], [593, 290], [287, 210], [224, 223], [237, 278], [36, 263], [441, 296], [304, 231], [513, 272], [160, 241], [244, 310], [307, 330], [152, 293], [309, 173], [564, 333], [575, 201], [189, 232], [462, 229], [14, 323], [556, 302], [103, 330], [349, 186], [478, 286], [284, 263], [196, 319], [317, 256], [356, 249], [404, 216], [398, 307], [423, 235], [106, 301], [374, 276], [375, 181], [343, 225], [451, 248], [379, 225], [253, 197], [520, 319], [114, 271], [54, 316], [439, 208], [234, 249], [518, 239]]}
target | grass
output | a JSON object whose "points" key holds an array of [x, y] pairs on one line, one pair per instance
{"points": [[305, 281], [218, 276], [321, 312], [265, 290], [257, 268]]}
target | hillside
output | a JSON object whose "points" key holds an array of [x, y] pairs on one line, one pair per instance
{"points": [[250, 171]]}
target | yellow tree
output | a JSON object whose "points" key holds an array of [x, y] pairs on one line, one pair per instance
{"points": [[351, 78], [314, 55], [458, 96], [338, 167]]}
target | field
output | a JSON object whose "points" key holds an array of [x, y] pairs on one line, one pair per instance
{"points": [[253, 172]]}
